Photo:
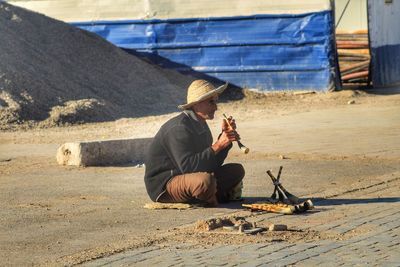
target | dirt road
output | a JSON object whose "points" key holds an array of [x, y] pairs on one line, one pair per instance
{"points": [[53, 214]]}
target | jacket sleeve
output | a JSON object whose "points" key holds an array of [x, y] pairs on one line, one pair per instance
{"points": [[179, 143], [221, 156]]}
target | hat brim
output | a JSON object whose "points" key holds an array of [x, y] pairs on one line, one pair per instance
{"points": [[212, 93]]}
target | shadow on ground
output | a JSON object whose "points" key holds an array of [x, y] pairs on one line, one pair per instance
{"points": [[316, 201], [342, 201]]}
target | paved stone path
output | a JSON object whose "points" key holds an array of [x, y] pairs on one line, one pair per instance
{"points": [[370, 227]]}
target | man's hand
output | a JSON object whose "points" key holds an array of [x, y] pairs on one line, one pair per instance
{"points": [[226, 138], [228, 124]]}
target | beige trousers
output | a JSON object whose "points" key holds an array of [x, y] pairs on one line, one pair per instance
{"points": [[203, 187]]}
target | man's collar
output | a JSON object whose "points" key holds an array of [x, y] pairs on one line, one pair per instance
{"points": [[191, 114], [197, 123]]}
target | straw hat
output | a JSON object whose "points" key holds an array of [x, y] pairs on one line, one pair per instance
{"points": [[200, 90]]}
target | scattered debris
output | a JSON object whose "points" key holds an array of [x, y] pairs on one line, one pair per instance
{"points": [[229, 225], [214, 223]]}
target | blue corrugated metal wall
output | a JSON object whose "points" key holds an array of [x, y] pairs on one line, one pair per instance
{"points": [[383, 20], [267, 52]]}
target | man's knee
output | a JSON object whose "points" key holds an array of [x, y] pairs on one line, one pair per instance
{"points": [[204, 186], [240, 171], [205, 182], [237, 170]]}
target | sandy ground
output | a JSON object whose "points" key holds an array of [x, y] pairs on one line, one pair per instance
{"points": [[51, 214]]}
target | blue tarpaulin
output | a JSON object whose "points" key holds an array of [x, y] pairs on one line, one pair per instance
{"points": [[266, 52]]}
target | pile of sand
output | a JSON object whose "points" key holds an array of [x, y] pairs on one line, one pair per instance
{"points": [[52, 73]]}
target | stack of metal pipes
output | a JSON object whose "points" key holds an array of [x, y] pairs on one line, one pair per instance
{"points": [[354, 57]]}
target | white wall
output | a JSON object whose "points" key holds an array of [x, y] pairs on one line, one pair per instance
{"points": [[92, 10], [355, 16]]}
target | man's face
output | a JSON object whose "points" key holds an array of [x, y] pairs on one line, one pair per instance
{"points": [[206, 109]]}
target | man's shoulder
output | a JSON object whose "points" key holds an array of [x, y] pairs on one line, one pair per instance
{"points": [[180, 120]]}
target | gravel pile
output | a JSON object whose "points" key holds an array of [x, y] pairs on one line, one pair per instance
{"points": [[52, 73]]}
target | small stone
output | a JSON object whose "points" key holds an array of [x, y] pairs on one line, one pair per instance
{"points": [[229, 228], [350, 102], [277, 227]]}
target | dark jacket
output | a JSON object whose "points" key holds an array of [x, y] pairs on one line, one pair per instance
{"points": [[182, 145]]}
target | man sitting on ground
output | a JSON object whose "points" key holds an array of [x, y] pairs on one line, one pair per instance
{"points": [[183, 165]]}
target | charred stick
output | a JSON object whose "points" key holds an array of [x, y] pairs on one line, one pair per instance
{"points": [[279, 174], [290, 197], [273, 196], [281, 193]]}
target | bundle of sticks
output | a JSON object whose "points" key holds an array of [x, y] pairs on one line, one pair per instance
{"points": [[281, 207], [354, 57], [281, 200]]}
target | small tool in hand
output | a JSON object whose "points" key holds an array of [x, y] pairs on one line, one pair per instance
{"points": [[241, 146]]}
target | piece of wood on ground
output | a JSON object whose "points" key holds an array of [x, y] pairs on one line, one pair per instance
{"points": [[158, 205]]}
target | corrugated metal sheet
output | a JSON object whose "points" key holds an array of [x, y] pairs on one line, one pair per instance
{"points": [[89, 10], [383, 21], [268, 52]]}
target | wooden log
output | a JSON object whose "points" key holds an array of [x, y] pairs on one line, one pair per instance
{"points": [[361, 31], [351, 46], [347, 54], [354, 68], [358, 81], [353, 71], [365, 43], [352, 59], [360, 74], [356, 51], [346, 38]]}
